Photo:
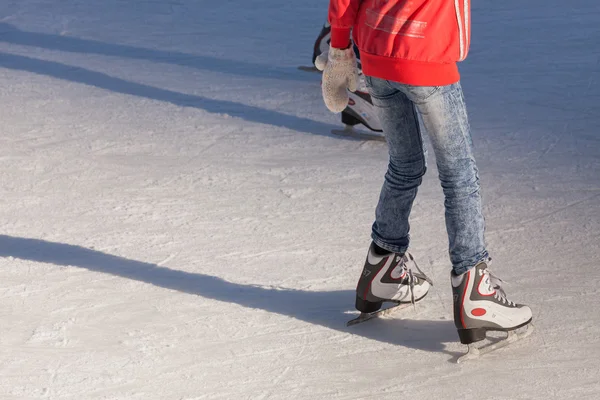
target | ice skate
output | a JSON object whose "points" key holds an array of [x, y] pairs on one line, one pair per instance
{"points": [[322, 41], [360, 111], [391, 277], [321, 45], [481, 306]]}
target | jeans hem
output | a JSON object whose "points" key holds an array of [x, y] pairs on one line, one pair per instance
{"points": [[389, 247], [464, 266]]}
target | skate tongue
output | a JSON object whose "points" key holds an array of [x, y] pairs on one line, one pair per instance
{"points": [[496, 284]]}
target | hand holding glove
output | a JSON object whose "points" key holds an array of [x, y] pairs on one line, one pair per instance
{"points": [[339, 73]]}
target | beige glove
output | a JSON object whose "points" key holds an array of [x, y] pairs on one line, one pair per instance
{"points": [[339, 73]]}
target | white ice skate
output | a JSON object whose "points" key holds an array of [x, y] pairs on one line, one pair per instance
{"points": [[360, 110], [481, 306], [392, 277]]}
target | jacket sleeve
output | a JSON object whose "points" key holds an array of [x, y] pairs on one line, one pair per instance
{"points": [[342, 14]]}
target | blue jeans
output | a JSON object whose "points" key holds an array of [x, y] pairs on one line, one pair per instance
{"points": [[444, 115]]}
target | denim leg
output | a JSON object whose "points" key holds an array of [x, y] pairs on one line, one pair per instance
{"points": [[406, 167], [445, 118]]}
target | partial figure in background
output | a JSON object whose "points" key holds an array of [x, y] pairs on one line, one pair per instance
{"points": [[359, 109]]}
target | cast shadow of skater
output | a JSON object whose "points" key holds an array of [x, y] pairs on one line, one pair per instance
{"points": [[12, 35], [106, 82], [323, 308]]}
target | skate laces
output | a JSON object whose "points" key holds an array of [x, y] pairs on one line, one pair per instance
{"points": [[413, 277], [495, 284]]}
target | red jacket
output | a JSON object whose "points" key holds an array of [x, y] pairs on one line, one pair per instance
{"points": [[416, 42]]}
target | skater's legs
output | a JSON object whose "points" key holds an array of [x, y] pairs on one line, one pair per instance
{"points": [[407, 164], [445, 118]]}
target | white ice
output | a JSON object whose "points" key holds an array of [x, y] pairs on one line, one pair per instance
{"points": [[178, 223]]}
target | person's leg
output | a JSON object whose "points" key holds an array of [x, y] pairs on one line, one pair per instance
{"points": [[445, 118], [406, 167], [480, 303], [390, 273]]}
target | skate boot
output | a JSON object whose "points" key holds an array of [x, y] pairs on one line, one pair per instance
{"points": [[390, 277], [480, 305], [322, 41], [360, 111], [360, 107]]}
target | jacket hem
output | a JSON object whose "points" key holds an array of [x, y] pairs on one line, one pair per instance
{"points": [[409, 72]]}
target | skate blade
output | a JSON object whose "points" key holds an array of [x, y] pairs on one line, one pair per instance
{"points": [[474, 352], [307, 68], [363, 317], [355, 134]]}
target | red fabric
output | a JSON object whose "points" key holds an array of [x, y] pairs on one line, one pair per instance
{"points": [[416, 42]]}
